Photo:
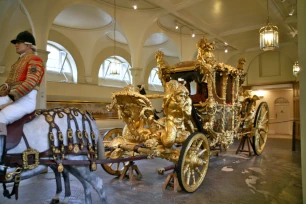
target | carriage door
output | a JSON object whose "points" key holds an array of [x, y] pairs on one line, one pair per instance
{"points": [[281, 116]]}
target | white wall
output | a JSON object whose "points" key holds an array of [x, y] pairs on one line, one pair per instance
{"points": [[269, 97]]}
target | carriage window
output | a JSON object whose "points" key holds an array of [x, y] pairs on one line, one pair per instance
{"points": [[201, 93], [229, 88], [115, 71], [60, 65], [218, 82]]}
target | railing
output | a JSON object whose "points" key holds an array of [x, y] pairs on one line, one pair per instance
{"points": [[293, 131]]}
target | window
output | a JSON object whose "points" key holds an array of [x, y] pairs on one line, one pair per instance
{"points": [[114, 71], [154, 82], [60, 65]]}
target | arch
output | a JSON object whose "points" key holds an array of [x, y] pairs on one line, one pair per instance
{"points": [[154, 86], [103, 55], [62, 59], [262, 71], [281, 101], [152, 64], [8, 27], [28, 16], [74, 51], [152, 28], [150, 61]]}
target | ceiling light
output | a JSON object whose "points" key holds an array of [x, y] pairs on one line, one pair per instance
{"points": [[226, 51], [268, 35], [134, 5], [192, 35], [177, 25], [225, 43]]}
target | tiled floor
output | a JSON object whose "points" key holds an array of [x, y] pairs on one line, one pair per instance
{"points": [[273, 177]]}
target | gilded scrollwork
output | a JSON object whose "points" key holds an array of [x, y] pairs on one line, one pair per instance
{"points": [[159, 135]]}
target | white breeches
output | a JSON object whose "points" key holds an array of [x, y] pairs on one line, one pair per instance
{"points": [[17, 109]]}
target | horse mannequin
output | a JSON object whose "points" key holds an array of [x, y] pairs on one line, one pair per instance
{"points": [[46, 135], [58, 180]]}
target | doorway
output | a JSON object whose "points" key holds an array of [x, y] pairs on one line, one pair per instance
{"points": [[281, 106]]}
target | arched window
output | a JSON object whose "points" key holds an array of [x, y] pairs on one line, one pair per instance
{"points": [[60, 65], [115, 71], [154, 82]]}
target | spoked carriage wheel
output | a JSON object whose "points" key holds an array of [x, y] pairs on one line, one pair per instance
{"points": [[113, 168], [261, 123], [193, 162]]}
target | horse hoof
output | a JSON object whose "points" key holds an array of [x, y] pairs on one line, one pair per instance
{"points": [[54, 201]]}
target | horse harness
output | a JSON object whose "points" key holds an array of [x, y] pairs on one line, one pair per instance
{"points": [[55, 155]]}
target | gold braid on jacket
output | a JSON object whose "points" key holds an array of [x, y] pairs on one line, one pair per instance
{"points": [[25, 75]]}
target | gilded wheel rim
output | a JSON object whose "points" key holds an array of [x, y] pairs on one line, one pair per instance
{"points": [[261, 125], [113, 168], [193, 162]]}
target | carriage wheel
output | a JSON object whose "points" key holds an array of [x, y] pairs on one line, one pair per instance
{"points": [[193, 162], [113, 168], [261, 124]]}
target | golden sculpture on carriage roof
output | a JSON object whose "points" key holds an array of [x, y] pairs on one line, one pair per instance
{"points": [[193, 124]]}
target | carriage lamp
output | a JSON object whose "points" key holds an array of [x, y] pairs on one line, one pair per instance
{"points": [[268, 35], [296, 69]]}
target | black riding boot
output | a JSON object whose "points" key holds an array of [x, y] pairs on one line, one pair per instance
{"points": [[2, 153], [3, 133]]}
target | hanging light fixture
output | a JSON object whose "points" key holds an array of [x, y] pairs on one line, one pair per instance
{"points": [[192, 35], [115, 65], [296, 69], [134, 4], [268, 35], [176, 25]]}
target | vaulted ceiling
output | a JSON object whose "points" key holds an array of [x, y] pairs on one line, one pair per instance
{"points": [[233, 24]]}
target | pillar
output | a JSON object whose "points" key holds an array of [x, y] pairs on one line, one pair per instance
{"points": [[301, 16], [41, 99], [136, 74]]}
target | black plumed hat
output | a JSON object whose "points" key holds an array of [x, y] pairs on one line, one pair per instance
{"points": [[25, 37]]}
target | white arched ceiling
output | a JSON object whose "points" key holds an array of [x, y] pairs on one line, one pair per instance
{"points": [[156, 39], [118, 36], [128, 4], [82, 16]]}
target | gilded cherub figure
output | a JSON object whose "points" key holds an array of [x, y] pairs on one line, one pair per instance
{"points": [[177, 107]]}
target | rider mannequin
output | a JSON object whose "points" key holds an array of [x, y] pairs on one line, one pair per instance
{"points": [[21, 85]]}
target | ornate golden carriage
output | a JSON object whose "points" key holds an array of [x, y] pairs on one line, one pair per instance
{"points": [[211, 118]]}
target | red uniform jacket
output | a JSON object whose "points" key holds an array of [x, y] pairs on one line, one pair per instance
{"points": [[25, 75]]}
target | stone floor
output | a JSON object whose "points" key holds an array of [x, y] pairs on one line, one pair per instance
{"points": [[274, 177]]}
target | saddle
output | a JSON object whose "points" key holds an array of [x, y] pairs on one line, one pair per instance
{"points": [[15, 130]]}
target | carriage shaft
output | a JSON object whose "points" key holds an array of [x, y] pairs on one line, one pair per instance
{"points": [[136, 148]]}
